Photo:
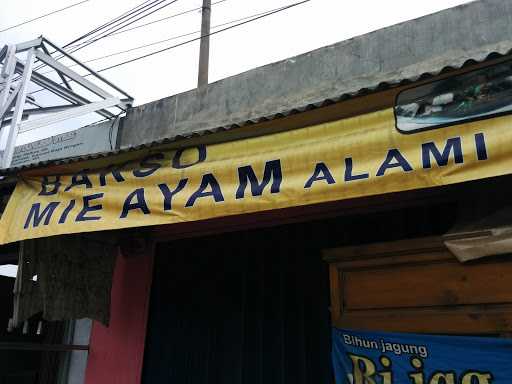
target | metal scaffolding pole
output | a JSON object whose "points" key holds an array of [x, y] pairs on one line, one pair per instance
{"points": [[84, 98], [13, 128]]}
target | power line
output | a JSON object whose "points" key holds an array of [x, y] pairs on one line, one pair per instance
{"points": [[138, 10], [198, 38], [165, 18], [248, 19], [123, 19], [93, 40], [45, 15], [117, 28], [167, 39], [114, 20]]}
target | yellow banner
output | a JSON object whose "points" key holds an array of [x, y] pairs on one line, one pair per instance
{"points": [[359, 156]]}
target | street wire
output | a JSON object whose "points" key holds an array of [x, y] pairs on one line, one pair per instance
{"points": [[114, 20], [43, 16], [96, 38], [198, 38], [165, 40], [251, 19], [119, 26], [138, 10], [165, 18]]}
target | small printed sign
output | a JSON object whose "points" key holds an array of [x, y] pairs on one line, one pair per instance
{"points": [[87, 140]]}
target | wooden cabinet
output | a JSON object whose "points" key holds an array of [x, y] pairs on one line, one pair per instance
{"points": [[419, 286]]}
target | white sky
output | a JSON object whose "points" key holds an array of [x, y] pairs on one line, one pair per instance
{"points": [[292, 32]]}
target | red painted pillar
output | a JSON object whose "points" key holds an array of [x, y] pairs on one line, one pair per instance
{"points": [[116, 353]]}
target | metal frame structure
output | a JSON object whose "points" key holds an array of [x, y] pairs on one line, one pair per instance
{"points": [[15, 115]]}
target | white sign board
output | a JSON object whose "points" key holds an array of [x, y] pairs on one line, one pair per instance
{"points": [[87, 140]]}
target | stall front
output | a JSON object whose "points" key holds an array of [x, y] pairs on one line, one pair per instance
{"points": [[240, 233]]}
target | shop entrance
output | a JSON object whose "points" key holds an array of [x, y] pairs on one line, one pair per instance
{"points": [[246, 307], [254, 306]]}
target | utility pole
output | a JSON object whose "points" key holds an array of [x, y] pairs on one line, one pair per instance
{"points": [[204, 50]]}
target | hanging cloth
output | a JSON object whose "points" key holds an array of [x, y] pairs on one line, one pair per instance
{"points": [[65, 277]]}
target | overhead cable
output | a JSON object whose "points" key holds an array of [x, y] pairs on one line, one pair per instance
{"points": [[138, 12], [250, 19], [122, 19], [165, 40], [43, 16], [108, 23], [209, 34], [141, 8], [118, 27], [164, 18]]}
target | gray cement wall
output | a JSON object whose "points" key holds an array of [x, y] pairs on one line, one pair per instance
{"points": [[405, 50]]}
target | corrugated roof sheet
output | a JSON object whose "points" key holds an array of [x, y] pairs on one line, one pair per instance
{"points": [[300, 109]]}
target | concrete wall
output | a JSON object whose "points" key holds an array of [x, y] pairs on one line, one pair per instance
{"points": [[401, 51]]}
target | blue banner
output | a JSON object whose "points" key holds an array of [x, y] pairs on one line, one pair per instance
{"points": [[399, 358]]}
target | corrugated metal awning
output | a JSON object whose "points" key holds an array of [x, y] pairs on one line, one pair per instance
{"points": [[470, 62]]}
